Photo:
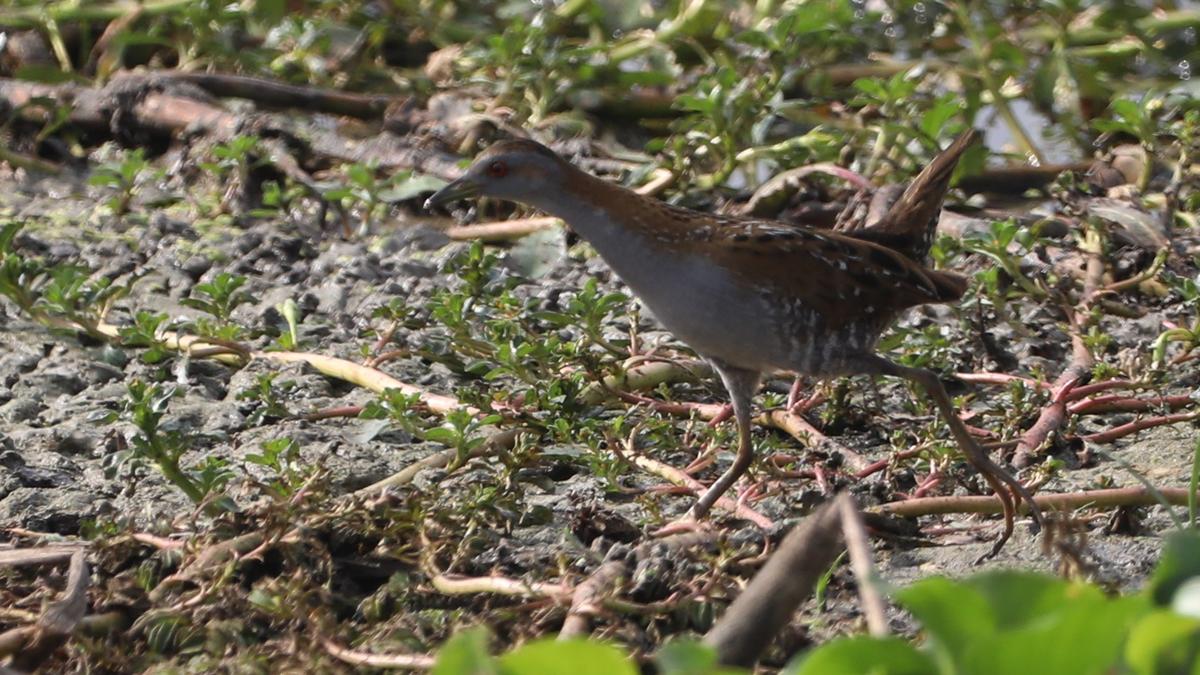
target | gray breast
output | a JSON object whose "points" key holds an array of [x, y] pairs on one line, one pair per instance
{"points": [[718, 316]]}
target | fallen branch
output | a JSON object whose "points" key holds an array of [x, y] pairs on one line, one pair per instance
{"points": [[788, 578], [497, 585], [1054, 415], [372, 660], [276, 94], [987, 504], [32, 645], [368, 378], [47, 555], [161, 105], [677, 477], [799, 428], [1001, 379], [1138, 425], [1118, 403], [505, 230], [500, 440], [880, 465], [859, 546], [209, 558], [643, 376], [587, 599]]}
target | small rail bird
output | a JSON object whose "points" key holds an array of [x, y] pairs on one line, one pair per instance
{"points": [[754, 296]]}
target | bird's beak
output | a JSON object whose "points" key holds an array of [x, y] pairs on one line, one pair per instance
{"points": [[462, 188]]}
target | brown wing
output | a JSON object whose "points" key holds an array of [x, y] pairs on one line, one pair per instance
{"points": [[834, 273]]}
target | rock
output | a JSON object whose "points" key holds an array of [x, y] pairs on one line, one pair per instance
{"points": [[196, 266], [58, 379], [61, 510], [330, 297], [21, 410]]}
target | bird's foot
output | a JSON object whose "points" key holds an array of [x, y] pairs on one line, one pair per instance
{"points": [[726, 413], [685, 524]]}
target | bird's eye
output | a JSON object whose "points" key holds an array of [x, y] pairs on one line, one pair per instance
{"points": [[497, 169]]}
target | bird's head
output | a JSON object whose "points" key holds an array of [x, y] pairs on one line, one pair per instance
{"points": [[517, 170]]}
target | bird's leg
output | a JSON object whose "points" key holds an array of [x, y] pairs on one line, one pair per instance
{"points": [[741, 385], [1002, 482], [793, 398]]}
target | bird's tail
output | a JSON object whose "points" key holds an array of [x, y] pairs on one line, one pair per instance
{"points": [[909, 224]]}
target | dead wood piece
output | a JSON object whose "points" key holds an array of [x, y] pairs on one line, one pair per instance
{"points": [[647, 374], [373, 660], [801, 429], [56, 624], [138, 106], [859, 546], [587, 600], [677, 477], [506, 230], [499, 585], [1135, 426], [788, 578], [1018, 179], [210, 558], [1134, 496], [1078, 370], [500, 440], [38, 556], [275, 94]]}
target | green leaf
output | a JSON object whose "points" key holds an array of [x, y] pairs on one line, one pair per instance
{"points": [[1017, 598], [577, 657], [442, 435], [1164, 642], [954, 614], [941, 113], [688, 657], [466, 654], [1180, 561], [1083, 637], [863, 656], [873, 88]]}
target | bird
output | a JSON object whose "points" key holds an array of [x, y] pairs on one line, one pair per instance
{"points": [[902, 217], [755, 296]]}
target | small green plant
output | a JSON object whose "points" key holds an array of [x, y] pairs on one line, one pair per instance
{"points": [[218, 298], [238, 157], [289, 340], [60, 296], [143, 408], [145, 331], [124, 177], [401, 410], [1187, 335], [281, 456], [590, 311], [461, 432], [995, 245], [266, 396]]}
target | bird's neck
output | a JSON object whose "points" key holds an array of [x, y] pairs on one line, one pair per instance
{"points": [[612, 218]]}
